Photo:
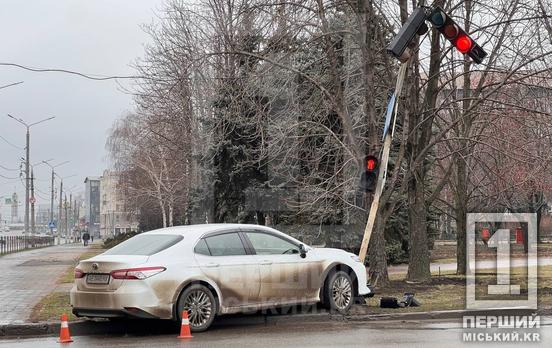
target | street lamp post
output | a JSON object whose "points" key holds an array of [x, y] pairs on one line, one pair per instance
{"points": [[52, 193], [33, 199], [61, 207], [60, 211], [27, 158]]}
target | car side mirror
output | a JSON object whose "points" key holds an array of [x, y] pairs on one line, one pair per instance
{"points": [[302, 251]]}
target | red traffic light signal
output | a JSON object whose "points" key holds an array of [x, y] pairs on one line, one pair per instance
{"points": [[369, 176], [371, 163], [464, 44], [456, 35]]}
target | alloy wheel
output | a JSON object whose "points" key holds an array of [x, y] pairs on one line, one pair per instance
{"points": [[341, 292], [199, 307]]}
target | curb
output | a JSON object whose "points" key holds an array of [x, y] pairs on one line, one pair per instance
{"points": [[99, 327], [452, 314]]}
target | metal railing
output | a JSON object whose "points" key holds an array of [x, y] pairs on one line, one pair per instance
{"points": [[11, 244]]}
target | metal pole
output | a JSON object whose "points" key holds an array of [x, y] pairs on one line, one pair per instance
{"points": [[70, 217], [27, 163], [383, 171], [33, 222], [66, 229], [28, 140], [52, 204], [60, 206]]}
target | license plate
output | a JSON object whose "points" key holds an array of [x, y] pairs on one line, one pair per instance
{"points": [[97, 278]]}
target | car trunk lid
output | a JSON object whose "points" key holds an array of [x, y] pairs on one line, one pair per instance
{"points": [[97, 271]]}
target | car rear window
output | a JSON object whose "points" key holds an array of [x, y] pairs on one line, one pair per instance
{"points": [[145, 244]]}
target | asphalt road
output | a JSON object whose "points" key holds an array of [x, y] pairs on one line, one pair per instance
{"points": [[320, 334]]}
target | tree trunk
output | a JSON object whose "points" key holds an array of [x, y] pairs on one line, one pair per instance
{"points": [[460, 212], [420, 124], [171, 214], [377, 258], [164, 213], [418, 259], [461, 162]]}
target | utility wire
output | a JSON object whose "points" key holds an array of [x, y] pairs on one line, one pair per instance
{"points": [[38, 193], [91, 77], [9, 182], [6, 177], [9, 169], [10, 143], [11, 84]]}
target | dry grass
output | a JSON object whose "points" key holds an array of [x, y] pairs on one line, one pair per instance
{"points": [[449, 290], [51, 307]]}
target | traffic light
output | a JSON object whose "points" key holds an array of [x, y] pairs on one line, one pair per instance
{"points": [[414, 25], [456, 35], [369, 176]]}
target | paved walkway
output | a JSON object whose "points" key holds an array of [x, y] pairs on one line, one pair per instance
{"points": [[483, 264], [27, 276]]}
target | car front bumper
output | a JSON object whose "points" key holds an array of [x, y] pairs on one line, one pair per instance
{"points": [[371, 293]]}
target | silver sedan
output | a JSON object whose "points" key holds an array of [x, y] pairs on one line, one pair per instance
{"points": [[211, 270]]}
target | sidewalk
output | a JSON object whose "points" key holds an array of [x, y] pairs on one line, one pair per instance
{"points": [[27, 276], [483, 264]]}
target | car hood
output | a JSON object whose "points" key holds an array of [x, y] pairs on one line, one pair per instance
{"points": [[330, 252]]}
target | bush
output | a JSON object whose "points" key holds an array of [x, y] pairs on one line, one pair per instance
{"points": [[112, 241], [395, 253]]}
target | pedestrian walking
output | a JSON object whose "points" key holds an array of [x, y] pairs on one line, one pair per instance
{"points": [[85, 238]]}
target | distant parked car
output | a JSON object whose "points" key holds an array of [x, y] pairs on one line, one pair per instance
{"points": [[213, 269]]}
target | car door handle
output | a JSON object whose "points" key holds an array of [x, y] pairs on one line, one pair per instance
{"points": [[212, 264], [266, 262]]}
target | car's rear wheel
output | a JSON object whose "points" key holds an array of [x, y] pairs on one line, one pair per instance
{"points": [[201, 305], [338, 292]]}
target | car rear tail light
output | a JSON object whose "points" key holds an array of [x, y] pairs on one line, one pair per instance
{"points": [[136, 273], [78, 273]]}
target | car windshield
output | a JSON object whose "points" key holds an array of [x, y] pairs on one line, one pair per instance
{"points": [[145, 244]]}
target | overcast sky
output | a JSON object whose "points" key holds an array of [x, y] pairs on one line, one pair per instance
{"points": [[97, 37]]}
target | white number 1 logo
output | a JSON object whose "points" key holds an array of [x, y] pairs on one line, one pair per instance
{"points": [[501, 241]]}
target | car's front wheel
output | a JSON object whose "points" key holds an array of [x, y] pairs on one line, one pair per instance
{"points": [[339, 292], [201, 305]]}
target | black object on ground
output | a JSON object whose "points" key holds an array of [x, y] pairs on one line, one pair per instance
{"points": [[407, 301], [389, 302]]}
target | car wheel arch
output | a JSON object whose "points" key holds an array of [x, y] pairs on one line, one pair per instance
{"points": [[212, 287], [336, 267]]}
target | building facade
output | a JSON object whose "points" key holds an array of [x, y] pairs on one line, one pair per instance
{"points": [[114, 217], [92, 205], [42, 217], [14, 208]]}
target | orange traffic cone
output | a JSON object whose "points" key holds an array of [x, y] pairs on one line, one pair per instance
{"points": [[185, 326], [64, 335]]}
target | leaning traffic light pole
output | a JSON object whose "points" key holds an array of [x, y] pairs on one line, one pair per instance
{"points": [[381, 169], [401, 47]]}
